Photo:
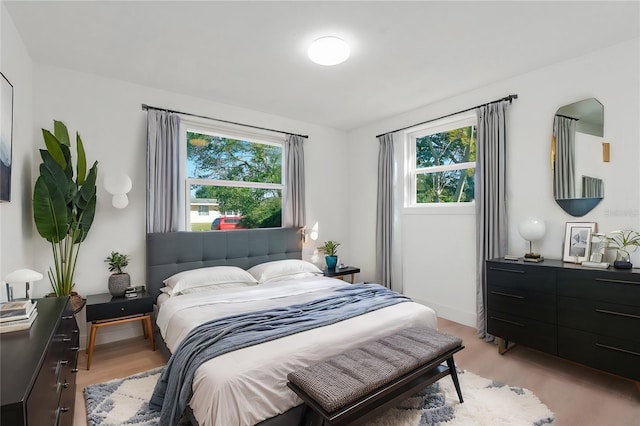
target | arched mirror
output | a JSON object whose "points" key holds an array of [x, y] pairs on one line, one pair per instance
{"points": [[578, 129]]}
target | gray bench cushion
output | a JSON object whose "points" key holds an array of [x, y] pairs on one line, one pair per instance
{"points": [[341, 379]]}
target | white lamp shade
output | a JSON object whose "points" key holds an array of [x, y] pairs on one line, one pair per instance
{"points": [[118, 183], [120, 201], [329, 51], [23, 276], [532, 229]]}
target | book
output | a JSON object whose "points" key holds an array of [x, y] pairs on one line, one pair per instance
{"points": [[599, 265], [16, 310], [18, 325]]}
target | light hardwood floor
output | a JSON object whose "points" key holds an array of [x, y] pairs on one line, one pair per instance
{"points": [[577, 395]]}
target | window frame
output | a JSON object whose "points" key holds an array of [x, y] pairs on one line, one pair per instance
{"points": [[196, 126], [457, 121]]}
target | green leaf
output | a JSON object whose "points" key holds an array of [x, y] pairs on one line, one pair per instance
{"points": [[60, 130], [49, 210], [54, 148], [82, 161]]}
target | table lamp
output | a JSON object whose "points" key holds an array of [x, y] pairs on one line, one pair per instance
{"points": [[532, 230], [21, 276]]}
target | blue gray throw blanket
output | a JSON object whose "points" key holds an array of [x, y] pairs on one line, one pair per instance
{"points": [[173, 390]]}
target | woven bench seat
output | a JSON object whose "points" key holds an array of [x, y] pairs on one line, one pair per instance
{"points": [[342, 388]]}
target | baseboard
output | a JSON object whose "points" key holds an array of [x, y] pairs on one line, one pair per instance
{"points": [[450, 313]]}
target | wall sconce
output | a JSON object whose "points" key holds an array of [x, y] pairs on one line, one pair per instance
{"points": [[606, 150], [21, 276], [118, 185], [313, 233], [532, 230]]}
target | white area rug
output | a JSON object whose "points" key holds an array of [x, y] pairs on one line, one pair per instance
{"points": [[125, 401]]}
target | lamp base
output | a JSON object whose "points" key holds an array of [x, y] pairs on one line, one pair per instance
{"points": [[533, 257]]}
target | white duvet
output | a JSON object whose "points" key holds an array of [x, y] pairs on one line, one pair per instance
{"points": [[247, 386]]}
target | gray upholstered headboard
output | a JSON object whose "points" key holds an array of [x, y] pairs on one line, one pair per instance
{"points": [[172, 252]]}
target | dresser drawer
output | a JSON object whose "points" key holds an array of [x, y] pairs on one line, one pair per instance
{"points": [[603, 318], [615, 355], [115, 309], [523, 302], [611, 287], [519, 276], [535, 334]]}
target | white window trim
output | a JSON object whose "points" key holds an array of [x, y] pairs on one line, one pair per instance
{"points": [[193, 124], [468, 118]]}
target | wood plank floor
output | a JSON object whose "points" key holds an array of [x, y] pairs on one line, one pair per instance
{"points": [[577, 395]]}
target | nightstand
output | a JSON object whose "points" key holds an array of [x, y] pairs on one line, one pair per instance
{"points": [[341, 272], [104, 309]]}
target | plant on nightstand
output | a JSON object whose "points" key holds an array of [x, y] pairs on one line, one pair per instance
{"points": [[119, 281], [330, 249]]}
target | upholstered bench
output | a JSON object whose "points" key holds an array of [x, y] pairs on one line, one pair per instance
{"points": [[353, 386]]}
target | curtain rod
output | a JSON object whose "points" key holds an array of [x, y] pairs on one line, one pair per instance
{"points": [[506, 98], [147, 107], [566, 116]]}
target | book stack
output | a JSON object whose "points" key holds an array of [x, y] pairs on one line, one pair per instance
{"points": [[17, 315]]}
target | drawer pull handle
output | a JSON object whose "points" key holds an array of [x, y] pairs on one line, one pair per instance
{"points": [[620, 314], [64, 362], [509, 322], [75, 348], [66, 339], [613, 348], [122, 309], [76, 331], [67, 317], [74, 370], [65, 384], [515, 296], [515, 271], [607, 280], [64, 409]]}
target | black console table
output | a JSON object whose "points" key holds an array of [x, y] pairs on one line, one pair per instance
{"points": [[591, 316]]}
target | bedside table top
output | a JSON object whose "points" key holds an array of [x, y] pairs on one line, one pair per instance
{"points": [[104, 306], [347, 270]]}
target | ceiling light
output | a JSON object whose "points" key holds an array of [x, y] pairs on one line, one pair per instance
{"points": [[329, 51]]}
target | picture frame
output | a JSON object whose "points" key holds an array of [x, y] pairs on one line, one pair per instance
{"points": [[577, 241], [6, 137]]}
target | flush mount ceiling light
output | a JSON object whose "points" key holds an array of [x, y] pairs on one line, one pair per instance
{"points": [[329, 51]]}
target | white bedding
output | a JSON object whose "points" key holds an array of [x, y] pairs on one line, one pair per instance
{"points": [[247, 386]]}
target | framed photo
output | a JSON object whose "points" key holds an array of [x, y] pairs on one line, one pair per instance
{"points": [[6, 136], [577, 241]]}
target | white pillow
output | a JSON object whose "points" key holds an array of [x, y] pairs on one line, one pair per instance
{"points": [[281, 270], [207, 276], [214, 287]]}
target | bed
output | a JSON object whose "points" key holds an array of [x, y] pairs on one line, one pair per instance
{"points": [[248, 386]]}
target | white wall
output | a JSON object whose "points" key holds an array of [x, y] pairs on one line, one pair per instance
{"points": [[108, 115], [438, 251], [16, 229]]}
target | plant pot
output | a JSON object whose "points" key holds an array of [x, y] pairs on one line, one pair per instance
{"points": [[118, 283], [331, 261]]}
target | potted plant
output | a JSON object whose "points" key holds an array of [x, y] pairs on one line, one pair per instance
{"points": [[624, 242], [330, 249], [119, 280], [64, 207]]}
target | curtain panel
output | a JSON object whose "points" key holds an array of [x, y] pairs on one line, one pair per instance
{"points": [[294, 212], [384, 211], [163, 172], [490, 198]]}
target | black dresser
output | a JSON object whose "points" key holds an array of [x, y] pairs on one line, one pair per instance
{"points": [[38, 368], [587, 315]]}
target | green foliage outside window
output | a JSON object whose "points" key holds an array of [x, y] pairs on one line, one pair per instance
{"points": [[220, 158], [443, 149]]}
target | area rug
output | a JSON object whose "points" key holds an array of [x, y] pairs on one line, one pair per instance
{"points": [[125, 402]]}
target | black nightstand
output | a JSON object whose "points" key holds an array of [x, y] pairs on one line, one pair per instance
{"points": [[341, 272], [104, 309]]}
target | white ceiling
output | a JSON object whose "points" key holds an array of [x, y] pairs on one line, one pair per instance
{"points": [[253, 54]]}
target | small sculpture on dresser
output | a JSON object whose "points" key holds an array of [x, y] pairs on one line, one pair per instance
{"points": [[119, 280]]}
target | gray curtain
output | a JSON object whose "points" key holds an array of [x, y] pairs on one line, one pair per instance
{"points": [[163, 172], [384, 212], [294, 212], [490, 200], [564, 131], [592, 187]]}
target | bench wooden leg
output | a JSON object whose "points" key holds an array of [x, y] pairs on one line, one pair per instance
{"points": [[454, 377]]}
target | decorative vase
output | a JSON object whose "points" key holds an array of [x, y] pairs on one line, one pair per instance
{"points": [[118, 283], [623, 260], [331, 261]]}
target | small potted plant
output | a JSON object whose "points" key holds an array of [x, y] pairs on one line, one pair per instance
{"points": [[330, 249], [624, 242], [119, 281]]}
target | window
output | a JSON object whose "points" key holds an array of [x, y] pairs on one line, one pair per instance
{"points": [[442, 161], [232, 175]]}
